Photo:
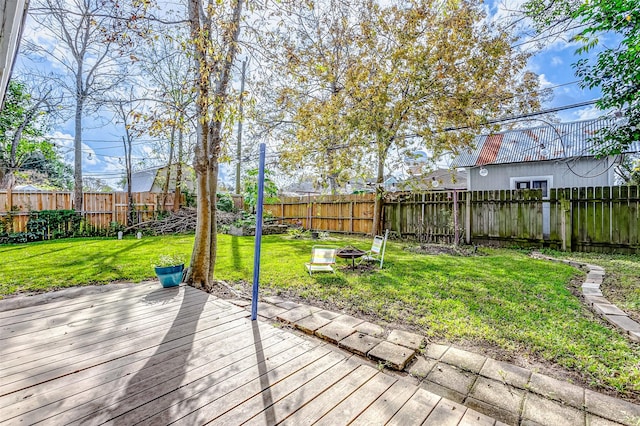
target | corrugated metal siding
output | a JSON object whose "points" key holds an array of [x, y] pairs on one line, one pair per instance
{"points": [[564, 140]]}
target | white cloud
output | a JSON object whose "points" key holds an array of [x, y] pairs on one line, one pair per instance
{"points": [[556, 60], [544, 83], [65, 147], [588, 113]]}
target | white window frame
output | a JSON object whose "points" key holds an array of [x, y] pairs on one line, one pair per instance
{"points": [[530, 179]]}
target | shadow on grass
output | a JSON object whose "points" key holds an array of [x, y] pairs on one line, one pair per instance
{"points": [[331, 280], [235, 253]]}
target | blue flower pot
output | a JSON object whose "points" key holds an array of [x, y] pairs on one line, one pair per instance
{"points": [[169, 276]]}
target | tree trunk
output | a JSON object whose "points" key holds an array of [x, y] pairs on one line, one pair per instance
{"points": [[165, 187], [199, 270], [178, 192], [209, 114], [377, 205], [77, 149]]}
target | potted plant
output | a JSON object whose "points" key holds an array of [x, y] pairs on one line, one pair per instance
{"points": [[169, 269]]}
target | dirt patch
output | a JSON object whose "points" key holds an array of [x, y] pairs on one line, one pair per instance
{"points": [[437, 249]]}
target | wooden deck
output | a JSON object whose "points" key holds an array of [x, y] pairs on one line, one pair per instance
{"points": [[147, 355]]}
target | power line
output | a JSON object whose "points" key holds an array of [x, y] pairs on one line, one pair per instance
{"points": [[527, 115]]}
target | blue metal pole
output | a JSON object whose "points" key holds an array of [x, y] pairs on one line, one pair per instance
{"points": [[258, 241]]}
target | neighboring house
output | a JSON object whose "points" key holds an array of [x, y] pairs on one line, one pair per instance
{"points": [[438, 180], [305, 187], [152, 180], [368, 184], [558, 156], [543, 157], [28, 187]]}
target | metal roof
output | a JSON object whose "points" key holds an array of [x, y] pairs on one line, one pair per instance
{"points": [[560, 141]]}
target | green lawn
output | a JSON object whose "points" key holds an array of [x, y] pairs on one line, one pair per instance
{"points": [[622, 281], [502, 297]]}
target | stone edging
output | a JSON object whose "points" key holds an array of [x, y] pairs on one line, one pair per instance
{"points": [[596, 301]]}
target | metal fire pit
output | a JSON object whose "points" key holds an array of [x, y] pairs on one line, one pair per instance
{"points": [[350, 252]]}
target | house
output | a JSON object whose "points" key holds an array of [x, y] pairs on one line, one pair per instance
{"points": [[550, 156], [153, 179], [440, 179]]}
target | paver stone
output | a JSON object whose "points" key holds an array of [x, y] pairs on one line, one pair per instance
{"points": [[393, 355], [506, 373], [334, 331], [463, 359], [611, 408], [406, 339], [548, 412], [359, 343], [555, 389]]}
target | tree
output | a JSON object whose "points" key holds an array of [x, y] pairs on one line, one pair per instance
{"points": [[127, 111], [168, 68], [22, 143], [615, 70], [84, 51], [310, 52], [401, 75], [214, 33]]}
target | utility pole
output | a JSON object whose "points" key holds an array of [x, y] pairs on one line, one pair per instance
{"points": [[239, 147]]}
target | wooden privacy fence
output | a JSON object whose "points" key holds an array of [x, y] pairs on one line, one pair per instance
{"points": [[574, 219], [341, 213], [100, 208]]}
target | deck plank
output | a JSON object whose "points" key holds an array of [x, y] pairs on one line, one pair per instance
{"points": [[118, 334], [192, 398], [152, 370], [318, 407], [111, 313], [146, 355], [285, 406], [44, 373], [66, 303], [261, 398], [356, 403], [141, 389], [387, 404], [86, 321], [416, 409], [123, 365], [446, 413]]}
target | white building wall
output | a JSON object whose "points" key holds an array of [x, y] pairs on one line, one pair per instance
{"points": [[563, 174]]}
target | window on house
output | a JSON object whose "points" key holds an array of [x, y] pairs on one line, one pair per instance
{"points": [[541, 184], [534, 184]]}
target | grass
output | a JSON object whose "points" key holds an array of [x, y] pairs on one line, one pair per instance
{"points": [[622, 280], [502, 298]]}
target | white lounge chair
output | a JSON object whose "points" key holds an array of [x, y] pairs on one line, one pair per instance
{"points": [[377, 249], [322, 260]]}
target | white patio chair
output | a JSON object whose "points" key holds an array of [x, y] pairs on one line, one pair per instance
{"points": [[322, 260], [376, 253]]}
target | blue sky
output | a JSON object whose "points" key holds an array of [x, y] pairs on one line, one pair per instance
{"points": [[103, 151]]}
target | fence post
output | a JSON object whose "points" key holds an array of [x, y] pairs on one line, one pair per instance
{"points": [[565, 221], [467, 218]]}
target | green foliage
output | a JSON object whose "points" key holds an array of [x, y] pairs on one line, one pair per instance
{"points": [[22, 144], [615, 70], [54, 224], [298, 233], [165, 260], [225, 203], [251, 188]]}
